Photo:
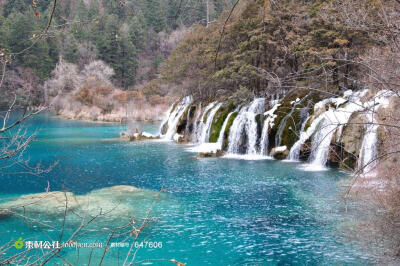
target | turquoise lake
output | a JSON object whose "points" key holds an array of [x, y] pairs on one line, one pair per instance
{"points": [[212, 211]]}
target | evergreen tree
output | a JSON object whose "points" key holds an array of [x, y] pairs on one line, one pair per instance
{"points": [[125, 67], [137, 30], [20, 31], [155, 16], [117, 50]]}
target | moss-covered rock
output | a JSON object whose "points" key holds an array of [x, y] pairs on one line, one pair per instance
{"points": [[288, 122], [260, 123], [219, 120], [308, 123], [190, 119], [219, 153], [305, 151], [339, 157], [227, 129], [280, 153], [206, 115], [183, 120], [346, 152]]}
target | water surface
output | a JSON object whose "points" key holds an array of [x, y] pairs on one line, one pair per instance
{"points": [[212, 211]]}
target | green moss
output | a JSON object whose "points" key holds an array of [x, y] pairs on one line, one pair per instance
{"points": [[308, 124], [289, 134], [206, 115], [227, 129], [216, 127], [218, 121]]}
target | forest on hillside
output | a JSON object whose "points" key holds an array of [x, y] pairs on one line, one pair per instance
{"points": [[263, 48], [132, 37]]}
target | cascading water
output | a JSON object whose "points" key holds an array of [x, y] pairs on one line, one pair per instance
{"points": [[366, 160], [187, 128], [282, 125], [324, 127], [220, 141], [200, 125], [205, 146], [244, 139], [205, 134], [368, 154], [195, 123], [166, 118], [245, 123], [268, 122], [294, 154], [174, 117]]}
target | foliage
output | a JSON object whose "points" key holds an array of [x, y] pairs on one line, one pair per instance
{"points": [[267, 48], [17, 31], [116, 32]]}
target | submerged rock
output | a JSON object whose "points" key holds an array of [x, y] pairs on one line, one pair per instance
{"points": [[216, 154], [280, 153], [138, 136], [112, 203]]}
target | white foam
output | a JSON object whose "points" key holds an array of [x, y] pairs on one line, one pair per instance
{"points": [[312, 168], [249, 157], [205, 148]]}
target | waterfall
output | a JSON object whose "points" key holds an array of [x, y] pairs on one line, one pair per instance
{"points": [[200, 125], [195, 123], [281, 128], [340, 117], [246, 123], [367, 160], [368, 153], [325, 126], [294, 154], [222, 132], [187, 128], [205, 134], [204, 146], [331, 115], [174, 117], [166, 118], [270, 114], [323, 136]]}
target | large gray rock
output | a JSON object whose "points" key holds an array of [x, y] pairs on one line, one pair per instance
{"points": [[280, 153], [218, 153], [138, 136], [347, 151]]}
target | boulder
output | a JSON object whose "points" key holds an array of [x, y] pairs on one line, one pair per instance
{"points": [[280, 153], [345, 153], [138, 136], [216, 154]]}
